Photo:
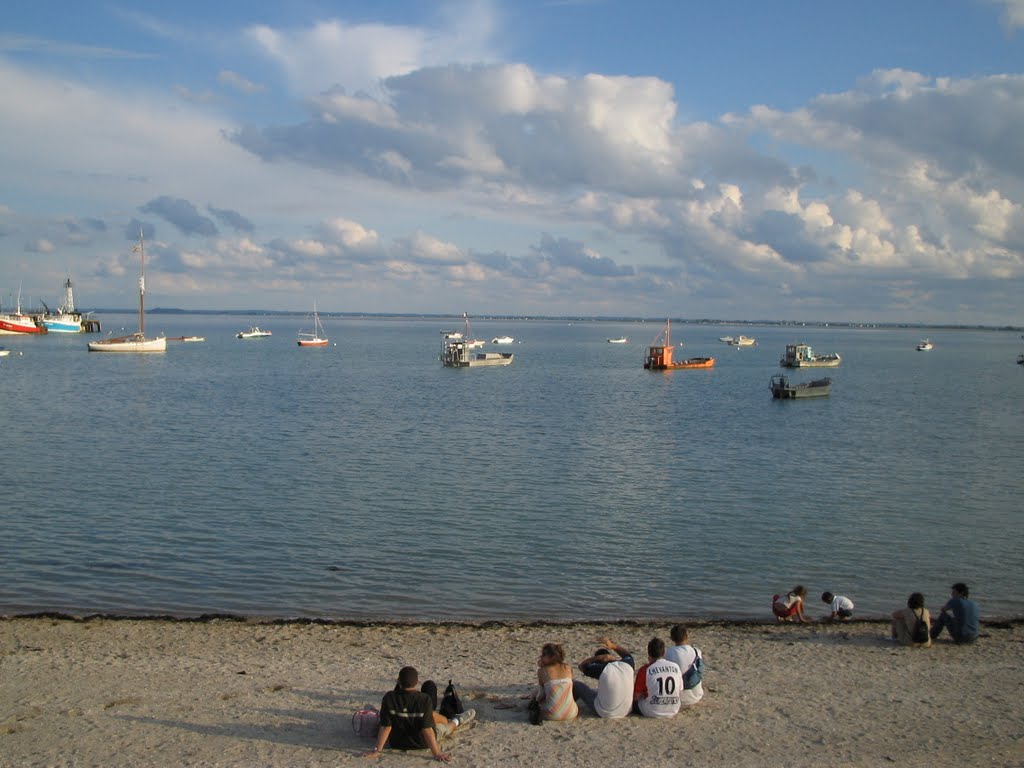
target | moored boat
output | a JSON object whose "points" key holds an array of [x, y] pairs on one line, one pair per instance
{"points": [[254, 332], [135, 342], [315, 338], [457, 353], [18, 322], [659, 355], [502, 340], [187, 338], [802, 356], [742, 341], [66, 319], [619, 340], [782, 389]]}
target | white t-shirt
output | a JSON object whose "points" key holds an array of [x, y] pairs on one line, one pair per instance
{"points": [[664, 684], [841, 603], [683, 655], [614, 690]]}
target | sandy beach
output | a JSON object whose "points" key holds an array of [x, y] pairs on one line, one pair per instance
{"points": [[106, 692]]}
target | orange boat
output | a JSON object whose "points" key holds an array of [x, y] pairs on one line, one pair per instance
{"points": [[659, 356]]}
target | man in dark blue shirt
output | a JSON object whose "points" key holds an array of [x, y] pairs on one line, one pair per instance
{"points": [[959, 615]]}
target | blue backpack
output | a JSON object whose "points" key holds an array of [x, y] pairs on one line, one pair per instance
{"points": [[694, 674]]}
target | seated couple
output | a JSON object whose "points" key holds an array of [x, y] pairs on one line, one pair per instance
{"points": [[408, 719], [657, 690]]}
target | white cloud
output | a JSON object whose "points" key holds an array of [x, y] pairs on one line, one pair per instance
{"points": [[357, 57], [42, 245], [1013, 13], [239, 83]]}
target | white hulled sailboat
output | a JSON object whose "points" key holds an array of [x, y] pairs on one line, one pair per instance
{"points": [[136, 342]]}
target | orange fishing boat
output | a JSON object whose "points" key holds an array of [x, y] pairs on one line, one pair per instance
{"points": [[659, 355]]}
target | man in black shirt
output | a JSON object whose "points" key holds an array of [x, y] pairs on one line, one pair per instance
{"points": [[408, 719]]}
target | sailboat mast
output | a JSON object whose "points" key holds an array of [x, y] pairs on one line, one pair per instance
{"points": [[141, 250]]}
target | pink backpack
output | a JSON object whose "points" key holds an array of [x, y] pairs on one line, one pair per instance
{"points": [[366, 722]]}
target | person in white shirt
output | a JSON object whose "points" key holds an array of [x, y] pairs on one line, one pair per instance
{"points": [[685, 655], [658, 683], [613, 668], [842, 607]]}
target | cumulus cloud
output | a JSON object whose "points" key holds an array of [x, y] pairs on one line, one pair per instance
{"points": [[182, 214], [42, 245], [1013, 13], [233, 219], [357, 57], [239, 83], [459, 124]]}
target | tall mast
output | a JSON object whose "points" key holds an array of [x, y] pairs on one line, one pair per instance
{"points": [[141, 250]]}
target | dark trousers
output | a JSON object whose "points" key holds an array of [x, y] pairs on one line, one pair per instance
{"points": [[947, 620]]}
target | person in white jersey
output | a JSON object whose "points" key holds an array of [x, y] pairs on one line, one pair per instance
{"points": [[613, 668], [684, 654], [658, 683]]}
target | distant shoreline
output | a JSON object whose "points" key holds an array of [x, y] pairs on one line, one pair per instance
{"points": [[561, 318]]}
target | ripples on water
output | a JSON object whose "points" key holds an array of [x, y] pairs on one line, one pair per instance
{"points": [[365, 480]]}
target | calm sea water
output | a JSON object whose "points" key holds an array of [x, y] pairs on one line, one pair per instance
{"points": [[365, 480]]}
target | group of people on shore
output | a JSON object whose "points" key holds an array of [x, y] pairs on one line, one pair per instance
{"points": [[910, 626], [671, 679]]}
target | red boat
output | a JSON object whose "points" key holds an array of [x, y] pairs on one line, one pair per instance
{"points": [[16, 322]]}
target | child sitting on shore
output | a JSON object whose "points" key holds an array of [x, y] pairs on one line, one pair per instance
{"points": [[842, 607], [790, 607]]}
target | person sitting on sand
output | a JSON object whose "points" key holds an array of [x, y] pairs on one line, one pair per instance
{"points": [[554, 689], [959, 615], [613, 668], [790, 607], [684, 654], [408, 719], [905, 619], [842, 607], [658, 683]]}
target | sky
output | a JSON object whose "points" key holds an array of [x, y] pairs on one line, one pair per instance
{"points": [[805, 161]]}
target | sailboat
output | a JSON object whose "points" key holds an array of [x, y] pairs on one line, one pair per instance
{"points": [[136, 342], [315, 338]]}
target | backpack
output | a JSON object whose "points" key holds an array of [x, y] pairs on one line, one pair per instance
{"points": [[694, 673], [366, 722], [451, 704], [920, 631]]}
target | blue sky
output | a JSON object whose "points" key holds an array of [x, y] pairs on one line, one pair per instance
{"points": [[804, 161]]}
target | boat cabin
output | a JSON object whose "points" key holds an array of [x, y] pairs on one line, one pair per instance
{"points": [[658, 356]]}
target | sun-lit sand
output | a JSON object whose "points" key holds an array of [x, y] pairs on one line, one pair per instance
{"points": [[108, 692]]}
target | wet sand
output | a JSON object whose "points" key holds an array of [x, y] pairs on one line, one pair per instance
{"points": [[106, 692]]}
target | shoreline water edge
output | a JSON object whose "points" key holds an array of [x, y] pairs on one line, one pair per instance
{"points": [[234, 691]]}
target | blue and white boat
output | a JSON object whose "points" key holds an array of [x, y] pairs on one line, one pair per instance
{"points": [[66, 319]]}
